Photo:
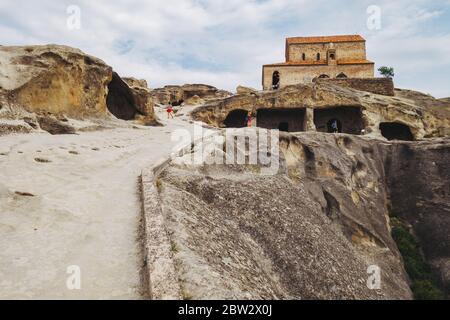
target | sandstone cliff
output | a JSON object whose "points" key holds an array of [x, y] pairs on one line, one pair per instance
{"points": [[422, 115], [310, 231], [55, 79], [193, 93], [60, 80], [418, 179]]}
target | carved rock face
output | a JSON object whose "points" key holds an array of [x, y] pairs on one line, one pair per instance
{"points": [[62, 80], [423, 115], [55, 79], [188, 92], [310, 230]]}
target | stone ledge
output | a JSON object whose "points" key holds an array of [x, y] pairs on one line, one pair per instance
{"points": [[161, 275], [162, 278], [383, 86]]}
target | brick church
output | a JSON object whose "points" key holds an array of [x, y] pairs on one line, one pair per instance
{"points": [[308, 58]]}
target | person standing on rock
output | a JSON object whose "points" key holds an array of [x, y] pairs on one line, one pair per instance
{"points": [[170, 111]]}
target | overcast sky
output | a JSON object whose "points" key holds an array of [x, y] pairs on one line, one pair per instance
{"points": [[226, 42]]}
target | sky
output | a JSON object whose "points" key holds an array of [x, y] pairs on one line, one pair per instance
{"points": [[225, 42]]}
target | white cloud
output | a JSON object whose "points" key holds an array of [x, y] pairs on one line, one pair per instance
{"points": [[225, 42]]}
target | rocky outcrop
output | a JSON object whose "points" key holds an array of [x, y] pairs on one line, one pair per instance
{"points": [[422, 115], [54, 126], [61, 80], [55, 79], [310, 230], [220, 94], [133, 82], [177, 95], [245, 90], [383, 86], [8, 127], [418, 177], [143, 101], [194, 101]]}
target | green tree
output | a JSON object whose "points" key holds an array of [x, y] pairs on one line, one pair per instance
{"points": [[387, 72]]}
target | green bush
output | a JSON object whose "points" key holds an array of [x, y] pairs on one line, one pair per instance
{"points": [[387, 72], [423, 284], [426, 290]]}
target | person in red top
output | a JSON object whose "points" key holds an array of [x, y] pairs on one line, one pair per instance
{"points": [[170, 111], [249, 119]]}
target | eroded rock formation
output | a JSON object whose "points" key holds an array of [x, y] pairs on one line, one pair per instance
{"points": [[418, 177], [56, 79], [423, 115], [177, 95], [245, 90], [143, 101], [309, 231], [60, 80]]}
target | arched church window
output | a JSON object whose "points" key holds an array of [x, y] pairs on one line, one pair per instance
{"points": [[275, 80]]}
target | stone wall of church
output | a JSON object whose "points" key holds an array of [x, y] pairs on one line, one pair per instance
{"points": [[344, 50], [290, 75]]}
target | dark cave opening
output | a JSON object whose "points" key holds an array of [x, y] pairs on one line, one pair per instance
{"points": [[236, 119], [176, 103], [284, 126], [288, 120], [396, 131], [120, 100], [339, 120]]}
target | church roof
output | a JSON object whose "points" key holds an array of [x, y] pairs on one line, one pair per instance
{"points": [[325, 39]]}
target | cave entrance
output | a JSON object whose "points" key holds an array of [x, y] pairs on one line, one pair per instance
{"points": [[396, 131], [288, 120], [120, 100], [347, 119], [176, 103], [236, 119], [284, 126]]}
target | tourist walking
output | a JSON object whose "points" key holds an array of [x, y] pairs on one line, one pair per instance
{"points": [[170, 111]]}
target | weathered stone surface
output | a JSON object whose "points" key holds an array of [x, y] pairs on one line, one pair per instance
{"points": [[425, 116], [220, 94], [194, 101], [309, 231], [143, 101], [418, 176], [54, 126], [61, 80], [245, 90], [180, 94], [133, 82], [56, 79], [168, 94], [383, 86], [8, 128]]}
